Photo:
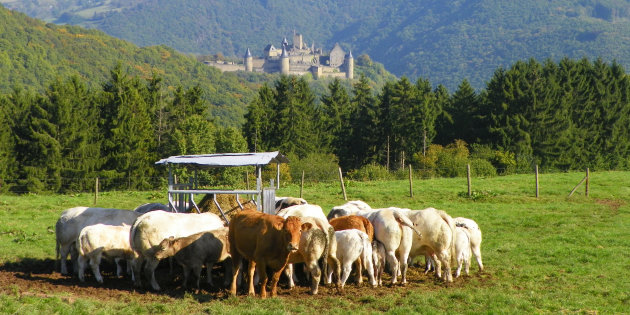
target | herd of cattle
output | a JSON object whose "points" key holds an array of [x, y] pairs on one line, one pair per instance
{"points": [[352, 234]]}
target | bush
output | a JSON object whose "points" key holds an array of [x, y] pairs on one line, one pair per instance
{"points": [[316, 167], [480, 167], [371, 172]]}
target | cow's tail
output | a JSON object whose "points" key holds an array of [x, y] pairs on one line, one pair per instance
{"points": [[404, 220], [330, 233], [369, 228], [57, 244], [451, 224]]}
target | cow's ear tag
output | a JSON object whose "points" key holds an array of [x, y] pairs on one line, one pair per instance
{"points": [[306, 226]]}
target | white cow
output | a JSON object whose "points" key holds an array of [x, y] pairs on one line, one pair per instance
{"points": [[154, 206], [103, 241], [315, 215], [350, 207], [73, 220], [438, 238], [351, 245], [474, 232], [462, 250], [395, 231], [153, 227], [285, 202]]}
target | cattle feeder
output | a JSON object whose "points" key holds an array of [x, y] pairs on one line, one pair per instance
{"points": [[181, 196]]}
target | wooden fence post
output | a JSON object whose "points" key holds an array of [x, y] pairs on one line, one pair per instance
{"points": [[343, 187], [536, 180], [277, 175], [576, 187], [410, 182], [586, 183], [96, 190], [468, 176], [302, 184]]}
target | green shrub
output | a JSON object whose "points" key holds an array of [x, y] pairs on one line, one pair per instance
{"points": [[371, 172], [480, 167], [316, 167]]}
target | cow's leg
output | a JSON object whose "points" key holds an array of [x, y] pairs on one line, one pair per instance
{"points": [[250, 277], [345, 273], [467, 265], [437, 265], [393, 263], [359, 270], [209, 266], [460, 261], [186, 270], [95, 261], [236, 269], [149, 271], [262, 273], [316, 275], [197, 273], [227, 272], [445, 258], [477, 252], [74, 253], [275, 277], [136, 265], [81, 262], [64, 251], [288, 271], [119, 271], [403, 252], [334, 266]]}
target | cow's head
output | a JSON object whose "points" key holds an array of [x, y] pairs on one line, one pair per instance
{"points": [[165, 248], [292, 228]]}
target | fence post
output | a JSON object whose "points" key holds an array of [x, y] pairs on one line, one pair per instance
{"points": [[536, 180], [343, 187], [410, 182], [96, 190], [302, 184], [586, 183], [277, 175], [468, 176]]}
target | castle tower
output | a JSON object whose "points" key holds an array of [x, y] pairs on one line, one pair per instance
{"points": [[350, 66], [297, 41], [284, 61], [248, 61]]}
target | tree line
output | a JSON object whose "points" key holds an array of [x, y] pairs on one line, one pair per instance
{"points": [[564, 116], [118, 131]]}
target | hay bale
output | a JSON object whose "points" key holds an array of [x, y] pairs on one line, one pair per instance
{"points": [[227, 202]]}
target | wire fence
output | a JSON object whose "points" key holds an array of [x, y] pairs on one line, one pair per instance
{"points": [[246, 180]]}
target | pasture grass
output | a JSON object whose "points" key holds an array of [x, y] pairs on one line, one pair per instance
{"points": [[551, 254]]}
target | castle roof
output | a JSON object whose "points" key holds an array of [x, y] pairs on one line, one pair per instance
{"points": [[285, 54], [270, 47], [350, 55], [248, 53]]}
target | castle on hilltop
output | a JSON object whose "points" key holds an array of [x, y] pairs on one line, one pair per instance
{"points": [[295, 59]]}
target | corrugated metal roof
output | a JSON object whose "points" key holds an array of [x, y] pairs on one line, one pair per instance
{"points": [[226, 159]]}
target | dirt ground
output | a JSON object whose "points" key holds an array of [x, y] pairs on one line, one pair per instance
{"points": [[40, 278]]}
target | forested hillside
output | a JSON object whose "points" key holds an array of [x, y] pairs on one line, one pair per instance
{"points": [[33, 54], [443, 41]]}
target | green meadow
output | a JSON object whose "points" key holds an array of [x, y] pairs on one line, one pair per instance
{"points": [[551, 254]]}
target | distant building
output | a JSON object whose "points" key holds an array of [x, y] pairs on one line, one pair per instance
{"points": [[295, 59]]}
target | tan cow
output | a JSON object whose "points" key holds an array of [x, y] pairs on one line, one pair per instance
{"points": [[266, 241], [194, 251]]}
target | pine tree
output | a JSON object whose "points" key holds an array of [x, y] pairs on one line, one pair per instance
{"points": [[259, 120], [335, 116], [362, 140]]}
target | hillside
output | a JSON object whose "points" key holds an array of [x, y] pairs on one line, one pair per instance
{"points": [[33, 54], [443, 41]]}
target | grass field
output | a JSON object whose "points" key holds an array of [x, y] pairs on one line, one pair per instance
{"points": [[551, 254]]}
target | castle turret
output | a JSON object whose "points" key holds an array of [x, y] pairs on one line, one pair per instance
{"points": [[350, 66], [248, 60], [284, 61]]}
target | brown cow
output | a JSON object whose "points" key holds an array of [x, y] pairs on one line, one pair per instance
{"points": [[354, 222], [265, 240]]}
